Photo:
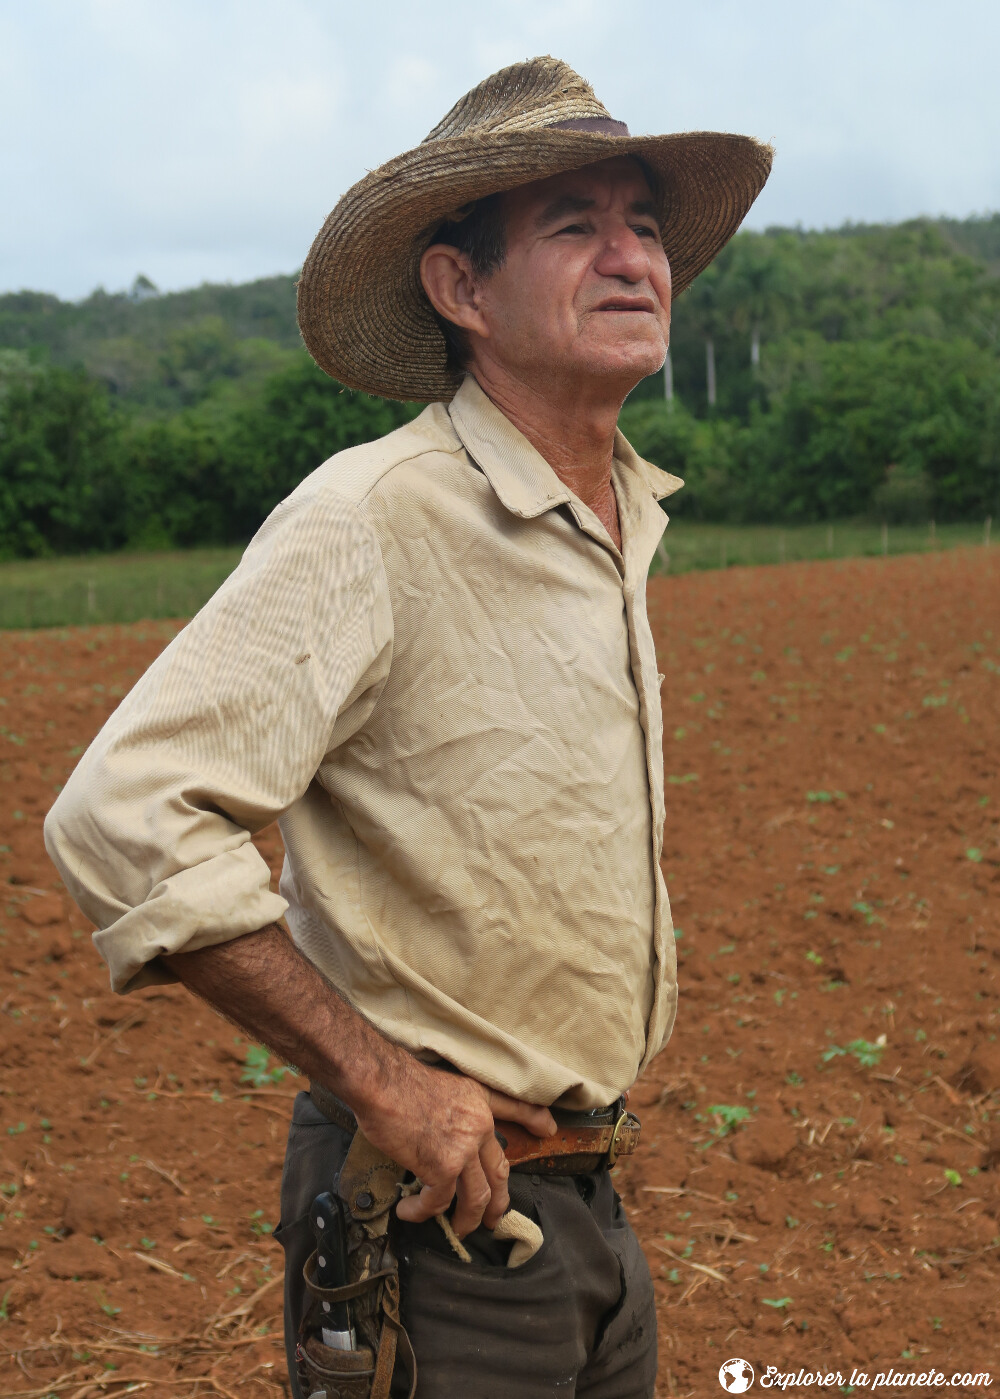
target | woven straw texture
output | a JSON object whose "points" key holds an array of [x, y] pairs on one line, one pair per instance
{"points": [[362, 311]]}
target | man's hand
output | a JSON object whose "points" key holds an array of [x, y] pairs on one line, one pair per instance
{"points": [[440, 1126]]}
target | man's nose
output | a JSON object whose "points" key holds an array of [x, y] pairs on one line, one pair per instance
{"points": [[624, 255]]}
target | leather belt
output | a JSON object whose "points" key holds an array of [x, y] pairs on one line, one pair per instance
{"points": [[584, 1142], [332, 1108]]}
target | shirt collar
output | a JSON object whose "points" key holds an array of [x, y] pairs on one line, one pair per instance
{"points": [[521, 477]]}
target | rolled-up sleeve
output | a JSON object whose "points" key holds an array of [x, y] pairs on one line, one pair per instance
{"points": [[224, 732]]}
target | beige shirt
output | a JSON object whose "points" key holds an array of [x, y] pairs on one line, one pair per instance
{"points": [[435, 668]]}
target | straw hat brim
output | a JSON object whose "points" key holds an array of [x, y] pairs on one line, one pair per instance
{"points": [[363, 313]]}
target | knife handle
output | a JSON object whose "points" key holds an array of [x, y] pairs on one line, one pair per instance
{"points": [[328, 1220]]}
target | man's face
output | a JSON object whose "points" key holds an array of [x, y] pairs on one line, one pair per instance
{"points": [[585, 286]]}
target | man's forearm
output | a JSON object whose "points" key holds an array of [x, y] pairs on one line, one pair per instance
{"points": [[438, 1125], [265, 986]]}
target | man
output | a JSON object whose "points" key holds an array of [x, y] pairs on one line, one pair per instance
{"points": [[434, 667]]}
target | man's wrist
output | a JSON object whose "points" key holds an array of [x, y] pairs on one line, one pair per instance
{"points": [[372, 1082]]}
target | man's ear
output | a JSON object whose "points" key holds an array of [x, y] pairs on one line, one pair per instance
{"points": [[450, 284]]}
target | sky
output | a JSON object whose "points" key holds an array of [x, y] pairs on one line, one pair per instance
{"points": [[206, 140]]}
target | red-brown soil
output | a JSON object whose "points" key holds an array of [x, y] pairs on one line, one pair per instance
{"points": [[833, 856]]}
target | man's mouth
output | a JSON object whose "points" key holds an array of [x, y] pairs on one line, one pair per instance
{"points": [[628, 303]]}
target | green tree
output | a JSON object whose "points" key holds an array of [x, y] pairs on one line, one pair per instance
{"points": [[60, 461], [758, 290], [703, 311], [301, 418]]}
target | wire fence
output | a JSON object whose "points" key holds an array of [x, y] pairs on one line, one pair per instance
{"points": [[689, 545], [139, 587], [82, 592]]}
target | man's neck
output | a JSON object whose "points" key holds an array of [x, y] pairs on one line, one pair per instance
{"points": [[573, 429]]}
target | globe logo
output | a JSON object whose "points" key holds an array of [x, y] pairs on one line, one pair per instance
{"points": [[736, 1376]]}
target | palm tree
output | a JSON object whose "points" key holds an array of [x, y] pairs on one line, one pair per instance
{"points": [[668, 382], [759, 289], [703, 308]]}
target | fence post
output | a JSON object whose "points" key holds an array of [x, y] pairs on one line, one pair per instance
{"points": [[986, 530], [91, 597], [829, 539]]}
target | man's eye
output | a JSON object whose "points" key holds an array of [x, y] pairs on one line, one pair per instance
{"points": [[644, 231], [574, 228]]}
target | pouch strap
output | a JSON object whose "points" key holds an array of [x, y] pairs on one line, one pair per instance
{"points": [[349, 1290], [393, 1337]]}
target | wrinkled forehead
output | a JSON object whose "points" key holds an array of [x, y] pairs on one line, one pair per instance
{"points": [[622, 177]]}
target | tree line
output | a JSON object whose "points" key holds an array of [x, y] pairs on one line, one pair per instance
{"points": [[812, 376]]}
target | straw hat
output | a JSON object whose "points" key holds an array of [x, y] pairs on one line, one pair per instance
{"points": [[362, 310]]}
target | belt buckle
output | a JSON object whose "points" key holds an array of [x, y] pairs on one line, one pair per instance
{"points": [[615, 1137]]}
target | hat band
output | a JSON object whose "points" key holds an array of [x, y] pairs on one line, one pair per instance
{"points": [[602, 126]]}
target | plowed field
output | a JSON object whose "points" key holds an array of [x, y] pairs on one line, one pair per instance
{"points": [[818, 1184]]}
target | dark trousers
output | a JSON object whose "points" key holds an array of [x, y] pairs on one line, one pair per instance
{"points": [[578, 1319]]}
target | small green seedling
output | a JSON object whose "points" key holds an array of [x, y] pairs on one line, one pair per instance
{"points": [[867, 1052], [259, 1224], [953, 1177], [729, 1117], [780, 1304], [256, 1071], [867, 912]]}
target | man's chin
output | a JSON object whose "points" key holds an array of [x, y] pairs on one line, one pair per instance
{"points": [[619, 363]]}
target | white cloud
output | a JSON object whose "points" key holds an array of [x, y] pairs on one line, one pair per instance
{"points": [[197, 141]]}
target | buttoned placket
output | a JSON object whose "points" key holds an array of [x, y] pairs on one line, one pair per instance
{"points": [[641, 530]]}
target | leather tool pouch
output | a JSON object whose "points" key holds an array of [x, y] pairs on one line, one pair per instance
{"points": [[369, 1186]]}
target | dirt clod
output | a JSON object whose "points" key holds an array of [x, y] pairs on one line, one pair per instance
{"points": [[981, 1071], [81, 1258], [44, 911], [767, 1142], [868, 1210], [92, 1209]]}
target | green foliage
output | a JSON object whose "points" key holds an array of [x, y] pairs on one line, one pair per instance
{"points": [[301, 418], [907, 427], [858, 378], [80, 474], [259, 1225], [60, 460], [728, 1116], [135, 342], [867, 1052], [256, 1071], [904, 497]]}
